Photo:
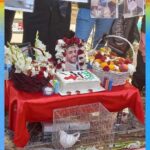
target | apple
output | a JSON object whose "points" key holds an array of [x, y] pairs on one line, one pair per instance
{"points": [[123, 67], [121, 60], [127, 61]]}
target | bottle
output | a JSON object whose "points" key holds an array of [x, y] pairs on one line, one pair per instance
{"points": [[56, 86], [7, 69]]}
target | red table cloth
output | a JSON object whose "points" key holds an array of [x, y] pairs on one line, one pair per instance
{"points": [[28, 107]]}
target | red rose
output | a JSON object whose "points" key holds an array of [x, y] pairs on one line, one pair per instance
{"points": [[80, 52], [66, 40], [106, 68], [59, 66], [40, 75], [98, 56], [51, 59], [81, 63], [43, 69], [77, 40]]}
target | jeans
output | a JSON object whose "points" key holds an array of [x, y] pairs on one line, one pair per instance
{"points": [[85, 24]]}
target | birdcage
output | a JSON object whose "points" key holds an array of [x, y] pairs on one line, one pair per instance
{"points": [[84, 125]]}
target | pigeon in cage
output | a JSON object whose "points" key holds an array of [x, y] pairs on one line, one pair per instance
{"points": [[68, 140], [135, 145]]}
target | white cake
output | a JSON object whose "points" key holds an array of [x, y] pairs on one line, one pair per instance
{"points": [[78, 82]]}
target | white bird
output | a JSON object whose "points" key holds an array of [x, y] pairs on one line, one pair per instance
{"points": [[137, 144], [68, 140]]}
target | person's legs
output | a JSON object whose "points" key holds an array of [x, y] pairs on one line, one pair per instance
{"points": [[37, 21], [102, 26], [138, 79], [84, 24], [58, 26], [9, 17]]}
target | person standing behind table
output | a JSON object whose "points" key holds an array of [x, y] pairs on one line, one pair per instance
{"points": [[9, 18], [85, 24], [51, 18], [138, 79]]}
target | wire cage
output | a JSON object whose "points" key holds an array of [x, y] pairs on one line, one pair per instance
{"points": [[93, 122]]}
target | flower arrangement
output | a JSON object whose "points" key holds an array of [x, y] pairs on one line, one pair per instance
{"points": [[61, 48], [41, 66], [30, 74]]}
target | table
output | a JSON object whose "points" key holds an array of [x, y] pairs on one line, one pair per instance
{"points": [[28, 107]]}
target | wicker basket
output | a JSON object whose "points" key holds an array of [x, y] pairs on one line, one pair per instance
{"points": [[118, 78], [28, 83]]}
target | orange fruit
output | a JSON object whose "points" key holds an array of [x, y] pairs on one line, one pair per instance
{"points": [[112, 67], [97, 60], [103, 64]]}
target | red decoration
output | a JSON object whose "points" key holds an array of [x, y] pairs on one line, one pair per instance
{"points": [[80, 52], [98, 56], [106, 68], [59, 66], [43, 68], [81, 63], [74, 77], [73, 40], [40, 75]]}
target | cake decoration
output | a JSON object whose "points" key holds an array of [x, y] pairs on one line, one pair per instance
{"points": [[79, 75], [74, 77], [78, 82]]}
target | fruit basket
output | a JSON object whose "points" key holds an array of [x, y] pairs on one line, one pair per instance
{"points": [[106, 64], [30, 73]]}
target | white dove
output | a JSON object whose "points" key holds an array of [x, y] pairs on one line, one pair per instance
{"points": [[137, 144], [68, 140]]}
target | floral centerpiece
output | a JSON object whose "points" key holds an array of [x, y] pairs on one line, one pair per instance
{"points": [[30, 74], [61, 53]]}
